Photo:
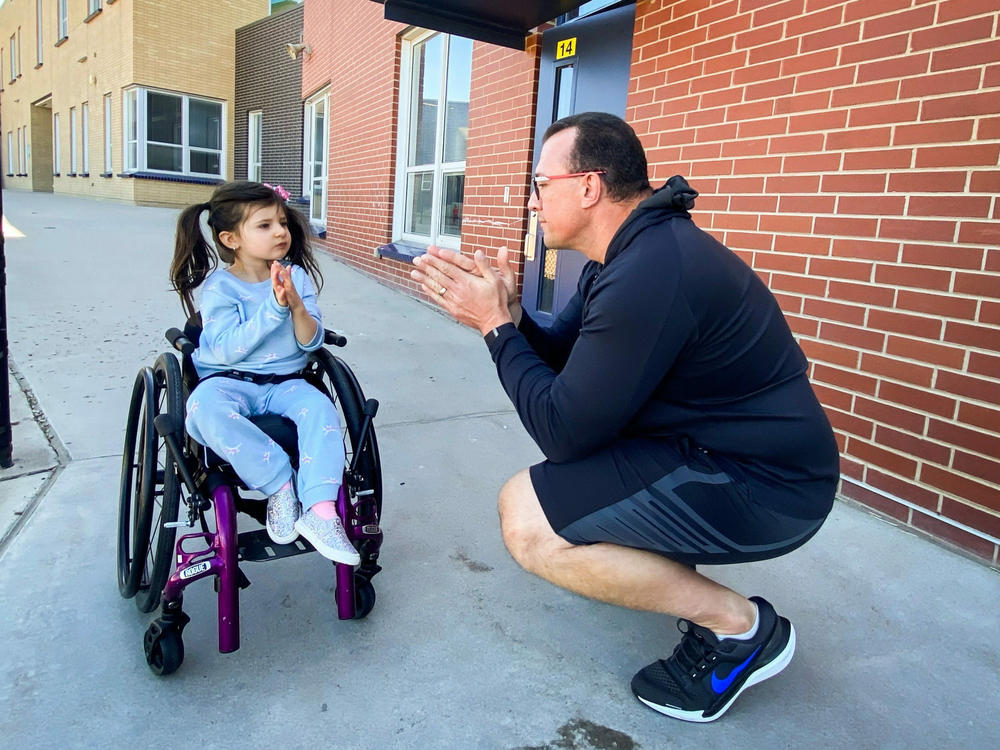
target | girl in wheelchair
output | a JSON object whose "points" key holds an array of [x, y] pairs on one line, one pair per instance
{"points": [[260, 318]]}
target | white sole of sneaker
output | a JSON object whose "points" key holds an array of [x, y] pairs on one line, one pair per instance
{"points": [[338, 556], [776, 665], [282, 540]]}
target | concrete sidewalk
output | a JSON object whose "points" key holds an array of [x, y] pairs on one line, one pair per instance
{"points": [[897, 636]]}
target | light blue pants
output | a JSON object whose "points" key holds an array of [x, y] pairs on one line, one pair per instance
{"points": [[218, 412]]}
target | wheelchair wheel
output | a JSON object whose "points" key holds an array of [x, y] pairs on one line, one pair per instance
{"points": [[160, 503], [164, 648], [136, 482], [338, 379]]}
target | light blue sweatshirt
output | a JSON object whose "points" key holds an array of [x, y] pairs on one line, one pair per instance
{"points": [[244, 328]]}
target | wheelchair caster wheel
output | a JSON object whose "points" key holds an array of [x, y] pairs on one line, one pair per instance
{"points": [[164, 648], [364, 597]]}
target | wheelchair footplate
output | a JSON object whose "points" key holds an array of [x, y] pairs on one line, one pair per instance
{"points": [[256, 546]]}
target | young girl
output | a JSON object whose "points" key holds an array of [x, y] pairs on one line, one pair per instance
{"points": [[260, 318]]}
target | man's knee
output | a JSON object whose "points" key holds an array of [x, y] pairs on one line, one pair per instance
{"points": [[525, 529]]}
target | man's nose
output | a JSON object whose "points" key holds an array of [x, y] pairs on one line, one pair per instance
{"points": [[533, 203]]}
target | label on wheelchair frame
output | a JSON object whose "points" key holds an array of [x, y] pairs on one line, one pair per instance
{"points": [[370, 528], [195, 569]]}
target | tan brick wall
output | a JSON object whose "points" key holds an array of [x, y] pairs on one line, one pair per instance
{"points": [[129, 42]]}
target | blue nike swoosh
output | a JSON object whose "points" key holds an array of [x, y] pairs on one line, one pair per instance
{"points": [[720, 686]]}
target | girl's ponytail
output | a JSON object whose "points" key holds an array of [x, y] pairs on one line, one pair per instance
{"points": [[194, 258]]}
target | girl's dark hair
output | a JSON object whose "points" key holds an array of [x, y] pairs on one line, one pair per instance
{"points": [[604, 141], [228, 208]]}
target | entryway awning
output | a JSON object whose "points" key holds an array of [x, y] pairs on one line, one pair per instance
{"points": [[502, 22]]}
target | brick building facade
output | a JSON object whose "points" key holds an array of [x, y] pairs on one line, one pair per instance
{"points": [[846, 149], [105, 99], [269, 87]]}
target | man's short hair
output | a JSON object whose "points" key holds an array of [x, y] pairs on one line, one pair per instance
{"points": [[604, 141]]}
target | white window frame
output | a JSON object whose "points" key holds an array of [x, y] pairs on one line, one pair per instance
{"points": [[24, 151], [13, 57], [134, 133], [72, 141], [62, 26], [38, 31], [93, 6], [255, 133], [403, 169], [317, 214], [10, 153], [107, 134], [130, 130], [85, 136], [56, 161]]}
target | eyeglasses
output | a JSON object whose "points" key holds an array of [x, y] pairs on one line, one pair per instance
{"points": [[544, 179]]}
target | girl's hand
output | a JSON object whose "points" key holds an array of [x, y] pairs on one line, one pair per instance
{"points": [[285, 292]]}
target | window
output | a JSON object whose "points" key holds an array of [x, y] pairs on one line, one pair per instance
{"points": [[85, 136], [316, 156], [172, 133], [72, 141], [93, 6], [18, 52], [130, 149], [10, 153], [38, 31], [62, 28], [255, 132], [13, 57], [56, 161], [24, 150], [107, 134], [430, 176]]}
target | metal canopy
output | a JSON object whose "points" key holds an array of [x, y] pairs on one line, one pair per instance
{"points": [[505, 23]]}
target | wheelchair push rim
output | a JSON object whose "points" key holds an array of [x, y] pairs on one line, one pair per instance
{"points": [[161, 498]]}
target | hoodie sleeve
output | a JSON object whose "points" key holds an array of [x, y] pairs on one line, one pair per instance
{"points": [[635, 324], [307, 291], [230, 339]]}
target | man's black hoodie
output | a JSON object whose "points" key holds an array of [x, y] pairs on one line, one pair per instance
{"points": [[674, 336]]}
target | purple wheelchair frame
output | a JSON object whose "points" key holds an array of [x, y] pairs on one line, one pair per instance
{"points": [[221, 558]]}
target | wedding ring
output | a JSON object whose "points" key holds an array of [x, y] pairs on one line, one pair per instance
{"points": [[442, 290]]}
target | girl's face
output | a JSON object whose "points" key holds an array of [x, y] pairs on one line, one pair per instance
{"points": [[263, 236]]}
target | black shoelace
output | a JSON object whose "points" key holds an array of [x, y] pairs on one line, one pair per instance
{"points": [[692, 656]]}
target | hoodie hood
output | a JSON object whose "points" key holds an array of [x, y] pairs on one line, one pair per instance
{"points": [[676, 196]]}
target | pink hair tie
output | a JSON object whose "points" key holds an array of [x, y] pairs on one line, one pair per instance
{"points": [[279, 190]]}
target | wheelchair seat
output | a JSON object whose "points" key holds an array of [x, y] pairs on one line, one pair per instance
{"points": [[280, 429]]}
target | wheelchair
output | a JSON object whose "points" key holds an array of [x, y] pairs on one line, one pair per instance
{"points": [[163, 467]]}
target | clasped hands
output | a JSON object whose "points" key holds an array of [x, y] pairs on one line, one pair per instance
{"points": [[472, 291], [285, 293]]}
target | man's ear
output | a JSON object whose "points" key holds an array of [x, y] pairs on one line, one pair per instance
{"points": [[593, 188]]}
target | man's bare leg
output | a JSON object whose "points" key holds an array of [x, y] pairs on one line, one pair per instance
{"points": [[611, 573]]}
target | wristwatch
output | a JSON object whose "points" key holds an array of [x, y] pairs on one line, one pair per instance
{"points": [[490, 337]]}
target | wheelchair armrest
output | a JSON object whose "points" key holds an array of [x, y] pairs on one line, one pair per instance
{"points": [[333, 338], [179, 341]]}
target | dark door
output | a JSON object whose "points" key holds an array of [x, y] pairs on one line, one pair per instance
{"points": [[584, 68]]}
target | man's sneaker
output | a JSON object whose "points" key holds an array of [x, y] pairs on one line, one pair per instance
{"points": [[704, 675], [283, 511], [328, 537]]}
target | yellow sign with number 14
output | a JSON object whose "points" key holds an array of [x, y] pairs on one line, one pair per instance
{"points": [[566, 48]]}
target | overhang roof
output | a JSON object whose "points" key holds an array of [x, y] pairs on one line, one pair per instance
{"points": [[502, 22]]}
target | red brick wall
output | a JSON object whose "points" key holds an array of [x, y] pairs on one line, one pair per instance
{"points": [[356, 53], [501, 139], [849, 152]]}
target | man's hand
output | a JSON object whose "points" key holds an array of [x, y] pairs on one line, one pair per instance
{"points": [[470, 290]]}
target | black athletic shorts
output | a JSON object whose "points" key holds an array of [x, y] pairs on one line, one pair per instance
{"points": [[671, 497]]}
